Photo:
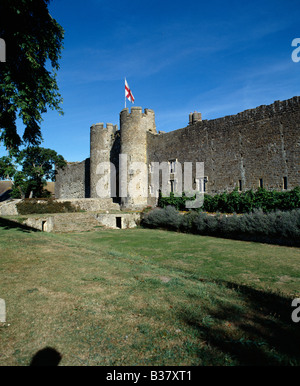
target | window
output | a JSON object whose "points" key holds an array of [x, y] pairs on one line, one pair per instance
{"points": [[261, 183], [285, 183], [201, 184], [240, 185], [172, 182], [205, 181], [172, 166]]}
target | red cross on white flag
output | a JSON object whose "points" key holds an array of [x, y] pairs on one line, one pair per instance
{"points": [[128, 93]]}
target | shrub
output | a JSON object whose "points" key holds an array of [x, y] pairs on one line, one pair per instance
{"points": [[43, 206], [200, 225], [229, 225], [276, 227], [168, 218], [236, 202], [187, 223], [172, 200]]}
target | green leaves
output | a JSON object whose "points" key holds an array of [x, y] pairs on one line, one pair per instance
{"points": [[245, 202], [177, 202], [7, 168], [30, 169], [27, 88]]}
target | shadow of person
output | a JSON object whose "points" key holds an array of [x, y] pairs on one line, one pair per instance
{"points": [[46, 357]]}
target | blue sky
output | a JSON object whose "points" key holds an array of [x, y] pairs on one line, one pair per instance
{"points": [[215, 57]]}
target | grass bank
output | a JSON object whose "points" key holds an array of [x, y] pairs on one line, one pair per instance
{"points": [[147, 297]]}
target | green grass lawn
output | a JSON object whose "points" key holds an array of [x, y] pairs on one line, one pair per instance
{"points": [[147, 297]]}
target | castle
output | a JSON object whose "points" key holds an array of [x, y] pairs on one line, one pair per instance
{"points": [[255, 148]]}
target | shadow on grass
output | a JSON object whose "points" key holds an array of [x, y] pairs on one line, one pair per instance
{"points": [[46, 357], [269, 336], [8, 224]]}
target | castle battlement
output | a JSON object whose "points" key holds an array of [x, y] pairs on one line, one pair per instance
{"points": [[136, 110], [137, 119], [257, 114], [100, 126]]}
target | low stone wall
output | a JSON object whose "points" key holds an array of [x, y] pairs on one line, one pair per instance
{"points": [[87, 204], [80, 222], [44, 224], [73, 222], [9, 208], [93, 204], [119, 220]]}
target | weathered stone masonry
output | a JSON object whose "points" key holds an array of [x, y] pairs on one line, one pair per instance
{"points": [[257, 147], [258, 144], [74, 180]]}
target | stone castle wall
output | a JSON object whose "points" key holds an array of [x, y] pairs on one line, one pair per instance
{"points": [[73, 181], [256, 146]]}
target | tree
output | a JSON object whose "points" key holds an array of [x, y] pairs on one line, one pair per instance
{"points": [[30, 169], [27, 88], [7, 168]]}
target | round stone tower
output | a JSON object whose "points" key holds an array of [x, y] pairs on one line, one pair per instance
{"points": [[133, 159], [101, 143]]}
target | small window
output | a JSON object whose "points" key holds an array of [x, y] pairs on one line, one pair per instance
{"points": [[172, 166], [240, 185], [205, 181], [261, 183], [201, 184], [285, 183], [172, 182]]}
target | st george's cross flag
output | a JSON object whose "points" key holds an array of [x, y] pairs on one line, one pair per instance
{"points": [[128, 93]]}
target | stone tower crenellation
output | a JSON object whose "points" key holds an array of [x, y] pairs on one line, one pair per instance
{"points": [[194, 118]]}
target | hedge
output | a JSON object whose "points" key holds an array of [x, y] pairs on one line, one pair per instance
{"points": [[240, 202], [277, 227], [43, 206]]}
